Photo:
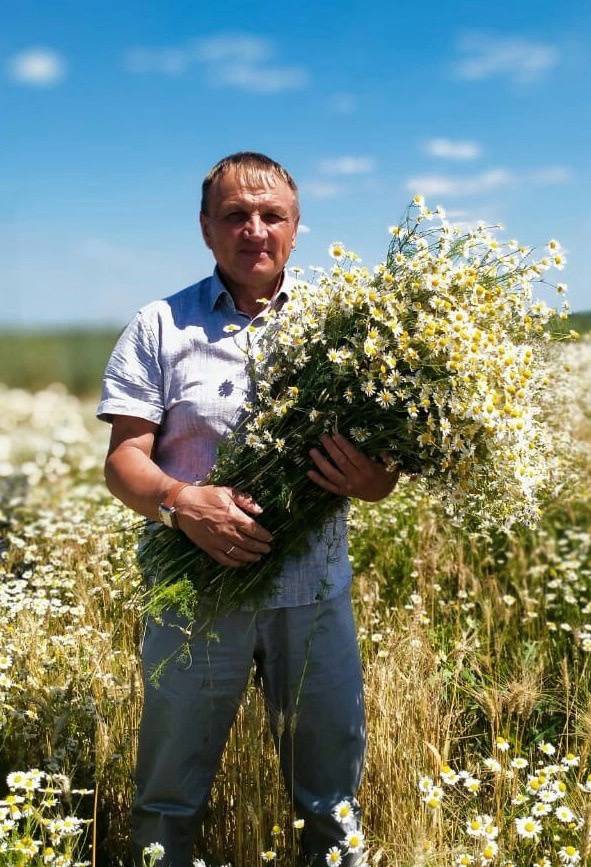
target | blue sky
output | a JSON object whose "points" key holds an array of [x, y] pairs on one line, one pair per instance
{"points": [[112, 114]]}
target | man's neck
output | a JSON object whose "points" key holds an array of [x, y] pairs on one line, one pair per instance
{"points": [[246, 298]]}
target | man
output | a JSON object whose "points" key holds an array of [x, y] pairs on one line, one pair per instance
{"points": [[175, 384]]}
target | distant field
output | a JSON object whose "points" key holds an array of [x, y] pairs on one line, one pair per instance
{"points": [[35, 359], [77, 357]]}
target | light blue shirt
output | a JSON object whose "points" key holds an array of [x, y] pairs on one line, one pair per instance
{"points": [[176, 366]]}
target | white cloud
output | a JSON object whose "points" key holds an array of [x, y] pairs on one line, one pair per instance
{"points": [[261, 79], [228, 59], [233, 48], [342, 103], [444, 185], [514, 57], [347, 165], [470, 185], [321, 189], [551, 175], [453, 149], [38, 67], [303, 229]]}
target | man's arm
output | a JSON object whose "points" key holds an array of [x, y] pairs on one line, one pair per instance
{"points": [[217, 519]]}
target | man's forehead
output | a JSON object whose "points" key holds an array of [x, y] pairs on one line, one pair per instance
{"points": [[237, 186]]}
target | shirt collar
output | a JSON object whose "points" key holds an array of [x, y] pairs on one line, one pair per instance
{"points": [[219, 294]]}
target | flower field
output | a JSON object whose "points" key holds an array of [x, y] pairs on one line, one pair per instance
{"points": [[476, 648]]}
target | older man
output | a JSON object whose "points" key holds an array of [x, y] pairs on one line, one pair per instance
{"points": [[174, 386]]}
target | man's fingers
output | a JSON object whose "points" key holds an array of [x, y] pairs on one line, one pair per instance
{"points": [[336, 455], [247, 527], [357, 458], [238, 556], [324, 483], [328, 469], [245, 502]]}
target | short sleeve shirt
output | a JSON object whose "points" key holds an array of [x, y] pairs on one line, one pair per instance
{"points": [[176, 366]]}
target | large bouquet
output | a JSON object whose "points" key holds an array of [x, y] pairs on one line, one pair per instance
{"points": [[434, 358]]}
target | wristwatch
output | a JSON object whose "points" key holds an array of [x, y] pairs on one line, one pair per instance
{"points": [[166, 509]]}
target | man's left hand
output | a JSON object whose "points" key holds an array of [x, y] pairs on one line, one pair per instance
{"points": [[350, 473]]}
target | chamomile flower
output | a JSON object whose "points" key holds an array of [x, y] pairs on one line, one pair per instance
{"points": [[569, 855], [564, 814], [334, 856], [336, 250], [528, 827], [354, 841], [344, 813], [489, 852]]}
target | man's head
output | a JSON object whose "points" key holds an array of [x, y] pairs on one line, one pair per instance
{"points": [[249, 218]]}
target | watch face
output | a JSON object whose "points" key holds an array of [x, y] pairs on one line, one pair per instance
{"points": [[166, 515]]}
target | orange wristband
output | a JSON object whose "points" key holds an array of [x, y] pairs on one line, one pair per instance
{"points": [[173, 493]]}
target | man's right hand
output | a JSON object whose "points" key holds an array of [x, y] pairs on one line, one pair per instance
{"points": [[219, 521]]}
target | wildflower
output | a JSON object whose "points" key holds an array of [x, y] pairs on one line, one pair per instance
{"points": [[434, 797], [275, 830], [528, 827], [472, 784], [476, 825], [199, 862], [489, 852], [16, 780], [336, 250], [426, 784], [492, 765], [449, 776], [569, 855], [541, 809], [268, 855], [502, 744], [570, 760], [464, 860], [343, 813], [519, 762], [547, 748], [333, 856], [354, 841], [564, 814], [231, 328], [27, 846], [298, 824]]}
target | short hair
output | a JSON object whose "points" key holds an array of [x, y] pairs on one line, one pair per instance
{"points": [[254, 166]]}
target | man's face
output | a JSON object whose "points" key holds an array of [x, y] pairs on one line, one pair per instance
{"points": [[250, 228]]}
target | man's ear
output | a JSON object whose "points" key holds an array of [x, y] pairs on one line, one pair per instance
{"points": [[205, 229], [295, 232]]}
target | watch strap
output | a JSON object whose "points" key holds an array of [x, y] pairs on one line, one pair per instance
{"points": [[170, 498]]}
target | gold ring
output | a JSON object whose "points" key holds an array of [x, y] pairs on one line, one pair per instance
{"points": [[229, 551]]}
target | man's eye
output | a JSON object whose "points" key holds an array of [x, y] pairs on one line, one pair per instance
{"points": [[273, 218], [235, 217]]}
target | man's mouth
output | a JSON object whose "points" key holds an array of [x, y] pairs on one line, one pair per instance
{"points": [[255, 253]]}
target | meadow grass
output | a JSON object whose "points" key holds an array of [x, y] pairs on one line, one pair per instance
{"points": [[466, 638]]}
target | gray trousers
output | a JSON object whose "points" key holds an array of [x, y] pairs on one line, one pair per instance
{"points": [[306, 655]]}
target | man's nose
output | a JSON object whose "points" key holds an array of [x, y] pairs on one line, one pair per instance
{"points": [[254, 227]]}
